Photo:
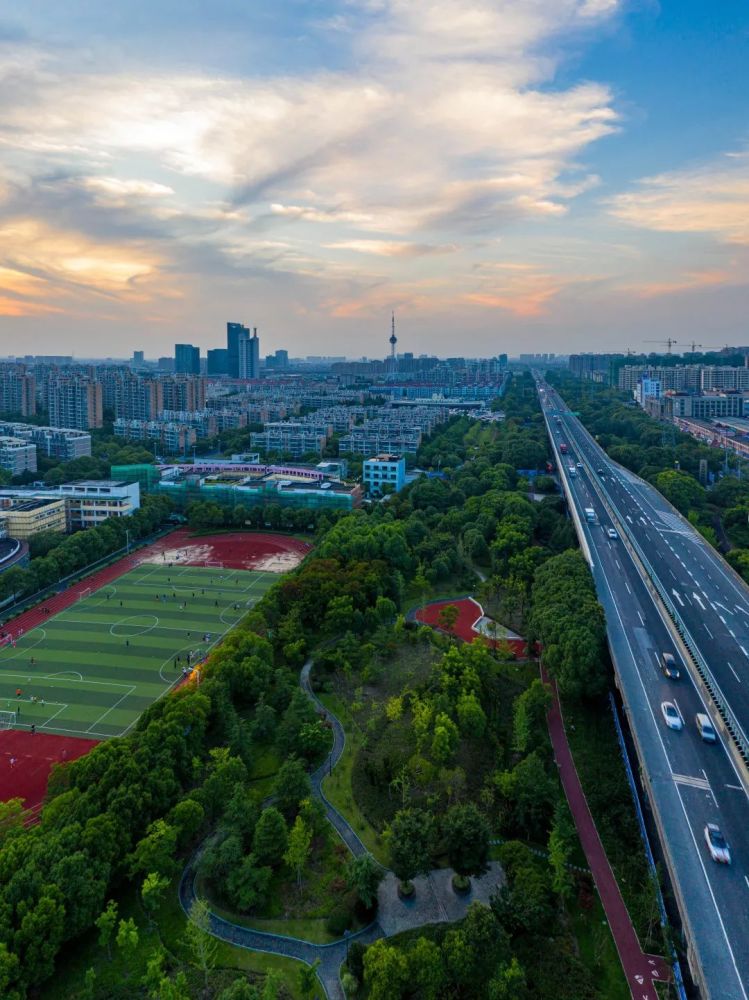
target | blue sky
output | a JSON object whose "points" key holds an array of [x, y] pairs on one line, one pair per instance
{"points": [[505, 174]]}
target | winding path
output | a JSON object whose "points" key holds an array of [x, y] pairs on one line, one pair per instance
{"points": [[433, 902]]}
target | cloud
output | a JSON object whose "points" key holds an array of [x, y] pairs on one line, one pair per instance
{"points": [[692, 281], [389, 248], [710, 199]]}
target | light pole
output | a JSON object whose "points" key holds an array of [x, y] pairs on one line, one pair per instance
{"points": [[127, 539]]}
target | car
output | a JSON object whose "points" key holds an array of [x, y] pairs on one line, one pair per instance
{"points": [[717, 844], [671, 716], [600, 472], [670, 667], [612, 533], [579, 465], [705, 728]]}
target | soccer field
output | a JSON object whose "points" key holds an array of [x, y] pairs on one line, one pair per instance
{"points": [[92, 669]]}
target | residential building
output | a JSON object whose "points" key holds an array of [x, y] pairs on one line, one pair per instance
{"points": [[17, 391], [74, 401], [165, 364], [17, 455], [186, 359], [724, 377], [704, 407], [25, 518], [384, 474], [249, 356], [183, 392], [291, 438], [138, 397], [62, 443], [138, 357], [172, 437]]}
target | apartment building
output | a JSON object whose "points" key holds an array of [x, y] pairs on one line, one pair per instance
{"points": [[705, 406], [171, 437], [74, 401], [289, 437], [381, 437], [183, 392], [17, 455], [137, 398], [62, 443], [17, 390]]}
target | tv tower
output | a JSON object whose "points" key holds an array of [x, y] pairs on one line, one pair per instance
{"points": [[393, 342]]}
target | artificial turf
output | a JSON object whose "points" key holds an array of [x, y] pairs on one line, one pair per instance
{"points": [[106, 658]]}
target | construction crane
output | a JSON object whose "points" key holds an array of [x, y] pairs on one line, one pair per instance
{"points": [[693, 345], [669, 342]]}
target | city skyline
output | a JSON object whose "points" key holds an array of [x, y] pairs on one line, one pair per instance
{"points": [[513, 177]]}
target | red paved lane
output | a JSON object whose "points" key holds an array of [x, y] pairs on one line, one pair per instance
{"points": [[639, 968], [469, 612], [26, 760]]}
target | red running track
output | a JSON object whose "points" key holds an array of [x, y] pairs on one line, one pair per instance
{"points": [[26, 760], [469, 612], [639, 968]]}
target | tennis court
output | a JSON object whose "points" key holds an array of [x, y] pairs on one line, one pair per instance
{"points": [[91, 669]]}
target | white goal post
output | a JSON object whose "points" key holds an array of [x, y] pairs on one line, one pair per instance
{"points": [[83, 594], [7, 720]]}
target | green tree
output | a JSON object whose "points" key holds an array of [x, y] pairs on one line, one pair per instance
{"points": [[364, 875], [448, 617], [151, 893], [127, 941], [157, 851], [561, 845], [444, 738], [292, 784], [385, 971], [467, 835], [89, 985], [106, 923], [426, 969], [529, 717], [201, 943], [509, 983], [270, 837], [410, 843], [471, 716], [248, 884], [308, 981], [298, 849]]}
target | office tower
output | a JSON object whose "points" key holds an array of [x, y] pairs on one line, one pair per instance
{"points": [[282, 359], [187, 359], [74, 401], [217, 361], [138, 357], [235, 333], [17, 391], [249, 356]]}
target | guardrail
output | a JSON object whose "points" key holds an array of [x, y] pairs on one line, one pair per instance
{"points": [[733, 727]]}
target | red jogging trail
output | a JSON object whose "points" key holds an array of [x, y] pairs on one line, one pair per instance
{"points": [[639, 968]]}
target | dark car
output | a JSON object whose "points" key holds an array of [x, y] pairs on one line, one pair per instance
{"points": [[670, 667]]}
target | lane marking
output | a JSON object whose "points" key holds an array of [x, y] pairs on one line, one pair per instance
{"points": [[734, 672], [708, 631], [697, 598], [677, 596], [744, 651], [691, 781], [627, 586], [642, 620]]}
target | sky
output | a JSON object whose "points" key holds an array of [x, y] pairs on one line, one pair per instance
{"points": [[504, 175]]}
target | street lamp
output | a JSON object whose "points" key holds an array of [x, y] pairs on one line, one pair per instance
{"points": [[127, 538]]}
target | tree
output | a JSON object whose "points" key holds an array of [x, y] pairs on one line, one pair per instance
{"points": [[106, 923], [385, 971], [364, 875], [561, 845], [11, 817], [508, 983], [292, 784], [151, 892], [270, 837], [313, 741], [156, 852], [444, 738], [471, 716], [531, 794], [448, 617], [127, 941], [308, 978], [201, 943], [529, 717], [248, 884], [298, 848], [426, 969], [410, 843], [467, 835]]}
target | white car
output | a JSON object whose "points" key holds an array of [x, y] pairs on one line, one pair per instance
{"points": [[671, 716], [612, 533], [717, 844]]}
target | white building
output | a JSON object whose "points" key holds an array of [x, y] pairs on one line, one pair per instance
{"points": [[17, 456], [88, 503]]}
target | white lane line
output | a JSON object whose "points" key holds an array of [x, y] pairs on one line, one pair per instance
{"points": [[746, 877], [734, 672], [642, 620], [744, 651], [627, 586], [722, 619], [708, 631], [672, 574], [742, 610], [692, 782], [736, 788], [677, 595], [697, 598], [732, 634], [724, 608]]}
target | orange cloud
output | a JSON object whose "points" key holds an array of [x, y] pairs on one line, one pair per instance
{"points": [[692, 281]]}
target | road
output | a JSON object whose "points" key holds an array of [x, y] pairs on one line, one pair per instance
{"points": [[689, 782]]}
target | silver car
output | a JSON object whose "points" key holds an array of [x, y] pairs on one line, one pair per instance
{"points": [[717, 844], [671, 716]]}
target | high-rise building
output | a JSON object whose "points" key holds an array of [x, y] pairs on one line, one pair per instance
{"points": [[187, 359], [138, 357], [74, 401], [183, 393], [17, 391], [138, 398], [165, 364], [217, 361], [249, 356], [235, 333], [282, 359]]}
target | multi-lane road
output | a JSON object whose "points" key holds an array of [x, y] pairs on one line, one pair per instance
{"points": [[689, 783]]}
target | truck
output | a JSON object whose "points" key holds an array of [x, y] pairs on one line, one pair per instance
{"points": [[590, 515], [563, 448]]}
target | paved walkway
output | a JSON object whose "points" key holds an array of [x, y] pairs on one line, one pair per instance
{"points": [[433, 902], [640, 969]]}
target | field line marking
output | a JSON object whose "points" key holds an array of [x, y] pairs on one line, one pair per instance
{"points": [[49, 677], [62, 709], [134, 687]]}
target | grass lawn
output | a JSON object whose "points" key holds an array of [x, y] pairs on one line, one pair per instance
{"points": [[338, 788], [101, 662], [597, 949], [112, 976]]}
